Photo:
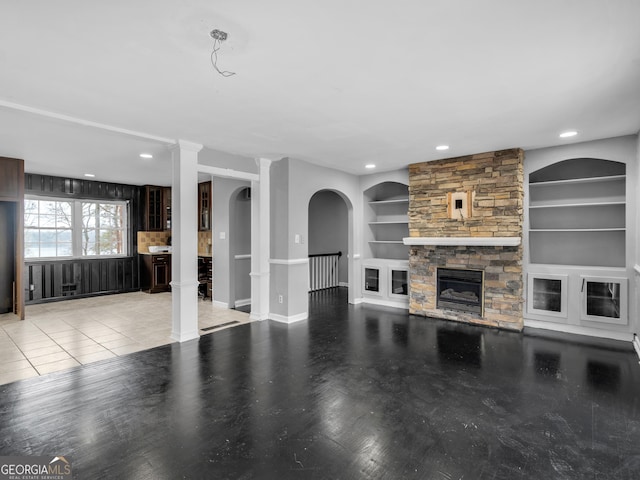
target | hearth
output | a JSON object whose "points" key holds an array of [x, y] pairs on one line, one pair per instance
{"points": [[461, 290]]}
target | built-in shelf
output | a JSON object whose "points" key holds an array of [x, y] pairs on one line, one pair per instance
{"points": [[573, 205], [387, 220], [405, 222], [386, 202], [464, 241], [577, 229], [573, 181], [578, 221]]}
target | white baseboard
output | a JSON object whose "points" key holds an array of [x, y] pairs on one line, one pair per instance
{"points": [[343, 284], [185, 336], [291, 319], [386, 303], [243, 302], [636, 344], [258, 317], [356, 301], [220, 304], [578, 330]]}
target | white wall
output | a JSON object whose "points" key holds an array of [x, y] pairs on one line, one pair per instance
{"points": [[217, 158]]}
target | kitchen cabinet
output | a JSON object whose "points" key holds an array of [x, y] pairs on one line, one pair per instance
{"points": [[205, 276], [157, 208], [204, 207], [166, 208], [155, 273]]}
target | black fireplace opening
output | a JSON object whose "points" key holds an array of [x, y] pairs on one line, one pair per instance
{"points": [[461, 290]]}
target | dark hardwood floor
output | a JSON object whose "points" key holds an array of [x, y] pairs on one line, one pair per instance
{"points": [[355, 392]]}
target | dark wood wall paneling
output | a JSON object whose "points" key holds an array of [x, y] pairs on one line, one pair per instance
{"points": [[61, 279], [52, 280]]}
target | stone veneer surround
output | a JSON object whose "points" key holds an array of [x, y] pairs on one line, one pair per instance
{"points": [[497, 182]]}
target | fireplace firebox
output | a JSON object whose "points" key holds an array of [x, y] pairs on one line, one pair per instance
{"points": [[461, 290]]}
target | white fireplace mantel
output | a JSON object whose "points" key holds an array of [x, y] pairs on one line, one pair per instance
{"points": [[464, 241]]}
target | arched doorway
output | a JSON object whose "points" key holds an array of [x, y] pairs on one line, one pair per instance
{"points": [[328, 237]]}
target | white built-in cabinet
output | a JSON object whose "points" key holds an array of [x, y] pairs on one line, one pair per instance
{"points": [[386, 259], [577, 231]]}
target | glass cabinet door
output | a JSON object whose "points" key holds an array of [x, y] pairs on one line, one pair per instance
{"points": [[399, 282], [604, 299], [547, 294], [372, 279]]}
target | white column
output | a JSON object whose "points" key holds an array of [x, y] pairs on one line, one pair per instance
{"points": [[184, 234], [260, 242]]}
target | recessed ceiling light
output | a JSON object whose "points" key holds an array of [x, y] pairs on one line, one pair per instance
{"points": [[146, 155], [370, 166], [90, 175], [442, 147], [570, 133]]}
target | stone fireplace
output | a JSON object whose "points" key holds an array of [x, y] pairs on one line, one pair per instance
{"points": [[485, 238]]}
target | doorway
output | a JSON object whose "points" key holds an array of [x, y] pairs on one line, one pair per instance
{"points": [[328, 236], [240, 220]]}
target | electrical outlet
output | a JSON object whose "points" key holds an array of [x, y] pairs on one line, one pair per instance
{"points": [[223, 235], [296, 239], [280, 299]]}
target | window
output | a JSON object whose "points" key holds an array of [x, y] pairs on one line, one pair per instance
{"points": [[48, 228], [74, 228], [103, 228]]}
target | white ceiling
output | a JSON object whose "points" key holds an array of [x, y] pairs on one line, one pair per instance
{"points": [[340, 83]]}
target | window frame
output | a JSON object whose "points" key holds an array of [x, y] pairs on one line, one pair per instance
{"points": [[78, 227]]}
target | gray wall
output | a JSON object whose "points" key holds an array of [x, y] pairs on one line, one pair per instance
{"points": [[279, 278], [224, 190], [328, 228], [241, 244], [637, 255], [294, 182]]}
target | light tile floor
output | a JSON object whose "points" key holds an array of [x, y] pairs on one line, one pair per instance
{"points": [[60, 335]]}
